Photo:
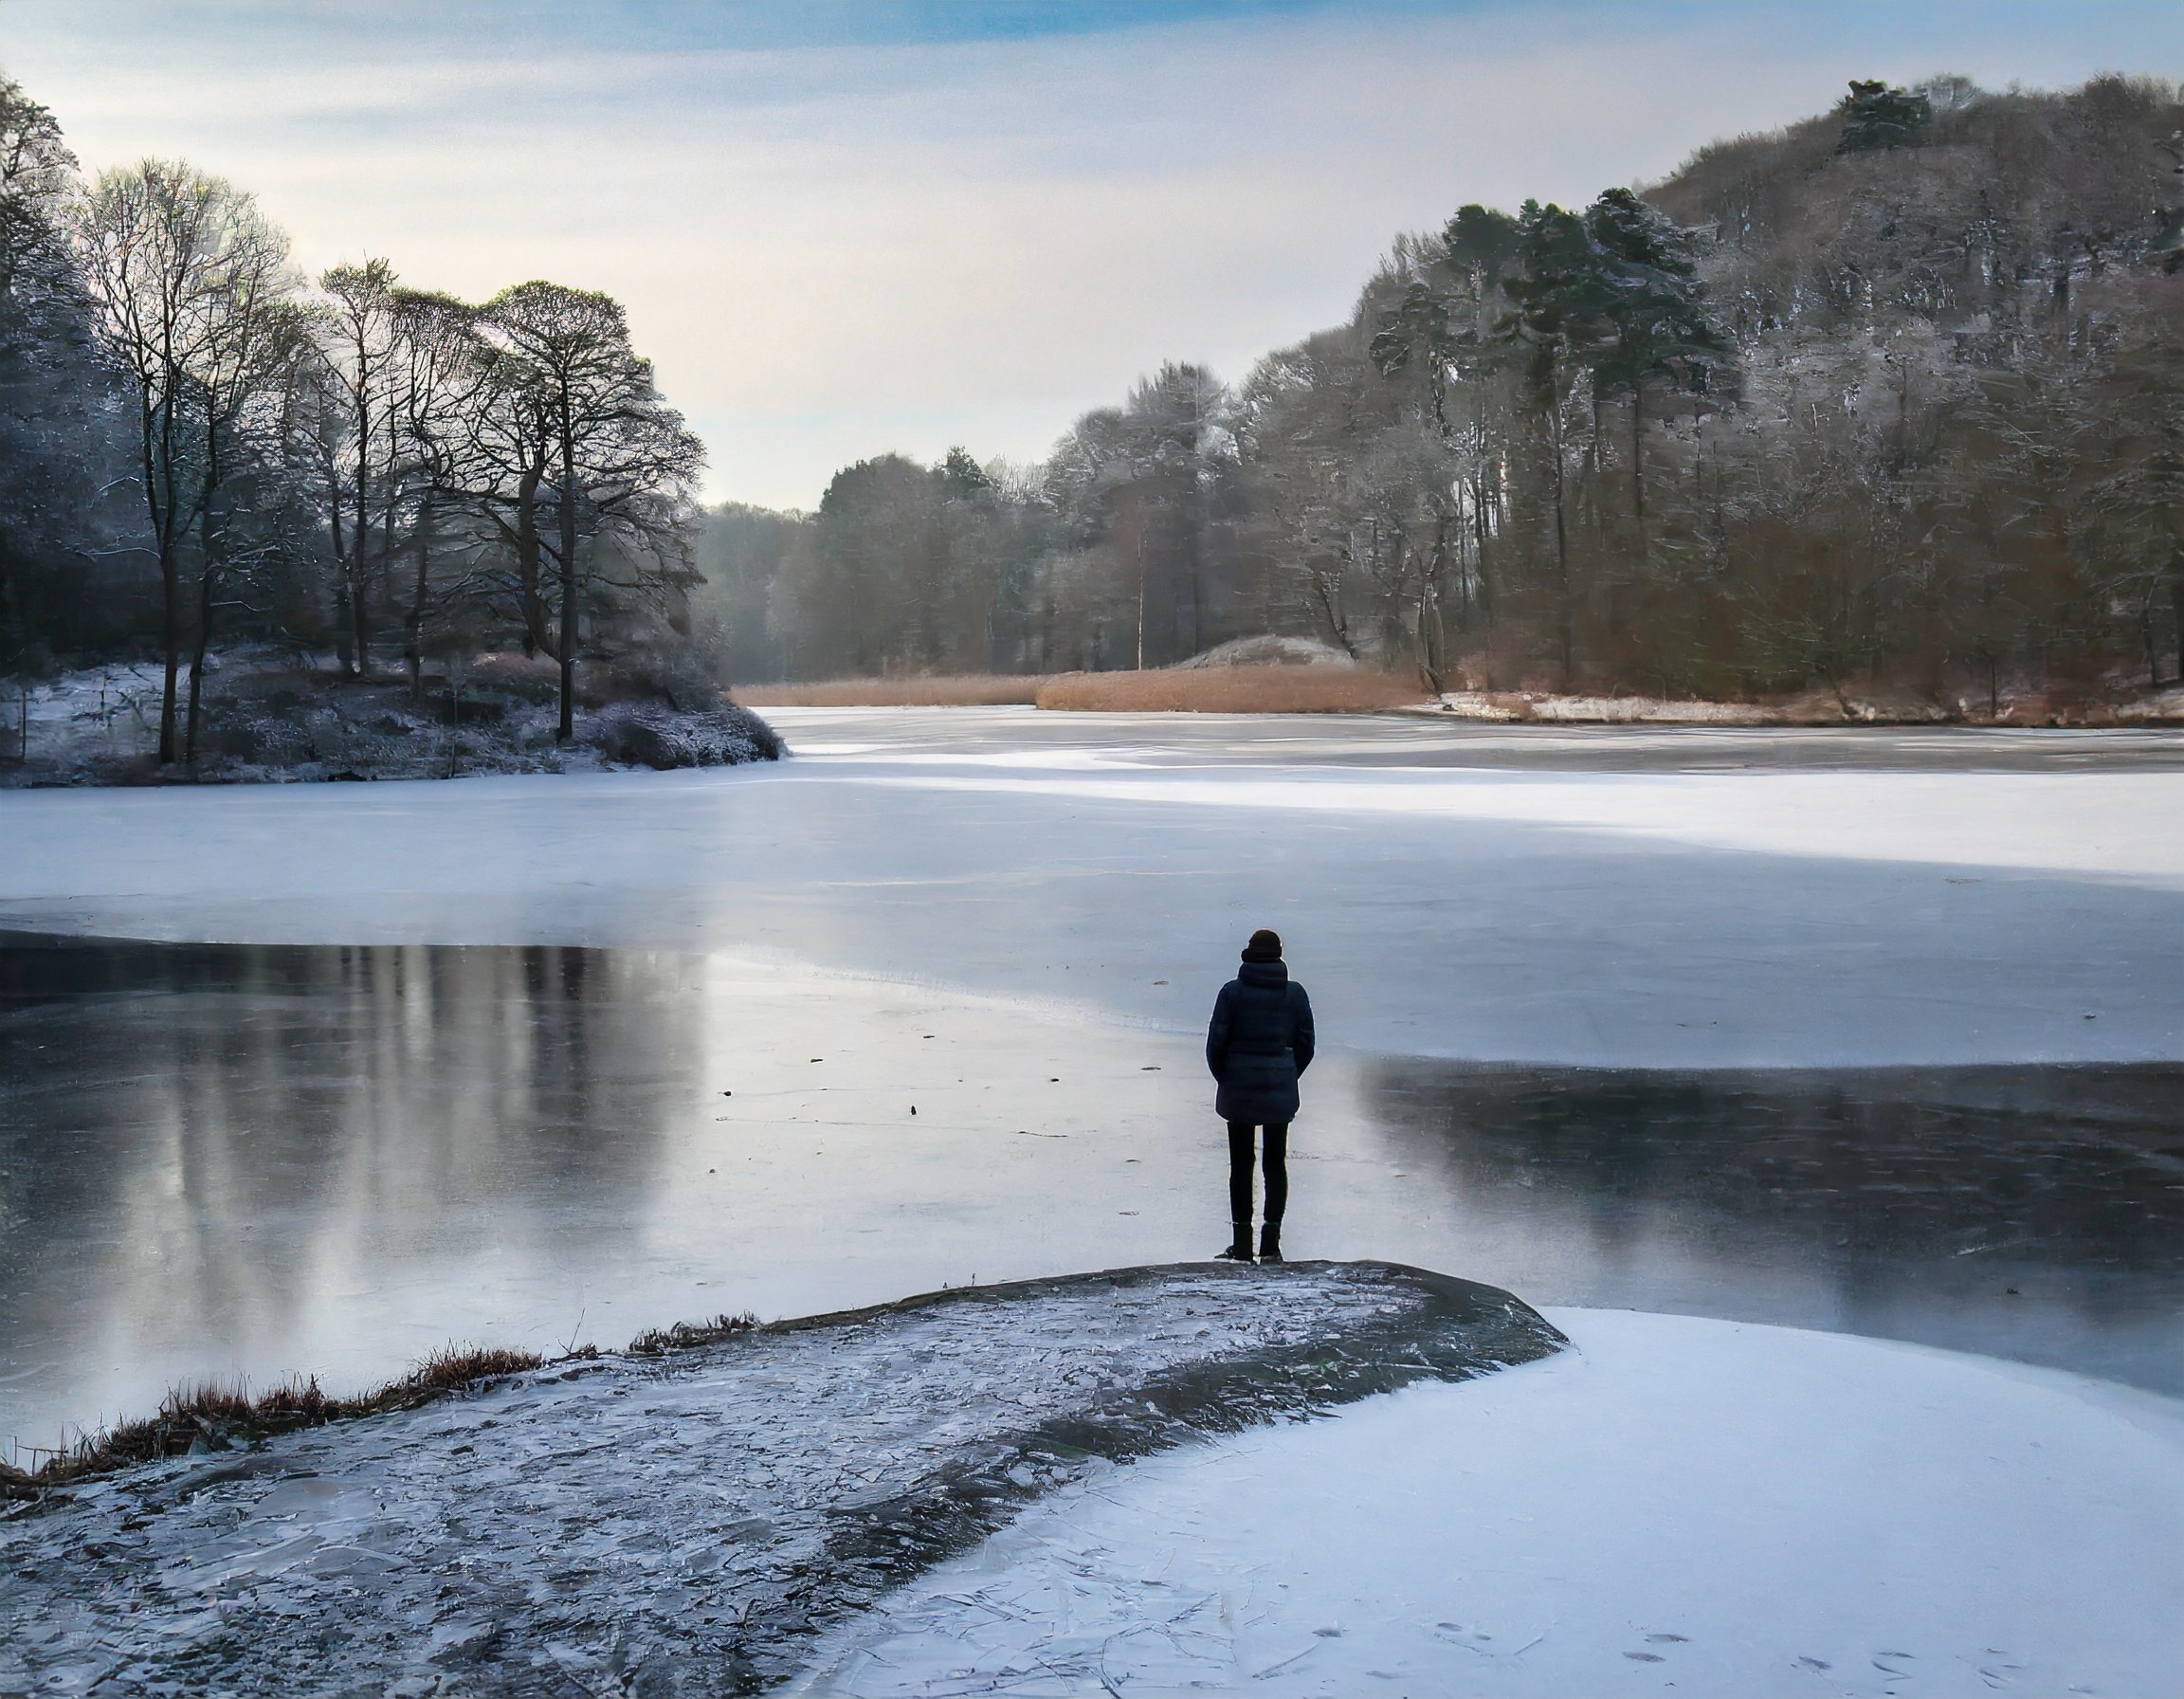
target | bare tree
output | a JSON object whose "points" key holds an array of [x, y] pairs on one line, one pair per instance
{"points": [[360, 321], [184, 270], [622, 460]]}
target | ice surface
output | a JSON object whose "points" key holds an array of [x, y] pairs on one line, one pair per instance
{"points": [[1677, 1504], [1901, 911], [1052, 896], [685, 1525]]}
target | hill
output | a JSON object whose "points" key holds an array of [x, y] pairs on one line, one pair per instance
{"points": [[1887, 397]]}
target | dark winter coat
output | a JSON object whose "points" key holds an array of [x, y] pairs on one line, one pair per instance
{"points": [[1259, 1042]]}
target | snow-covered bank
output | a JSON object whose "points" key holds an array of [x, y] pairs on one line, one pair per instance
{"points": [[268, 720], [685, 1525], [2126, 705], [1675, 1505]]}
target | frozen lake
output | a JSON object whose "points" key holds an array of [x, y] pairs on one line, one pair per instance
{"points": [[1875, 1031]]}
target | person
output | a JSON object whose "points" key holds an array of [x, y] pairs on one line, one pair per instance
{"points": [[1258, 1042]]}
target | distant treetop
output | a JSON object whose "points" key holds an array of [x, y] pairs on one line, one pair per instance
{"points": [[1876, 117]]}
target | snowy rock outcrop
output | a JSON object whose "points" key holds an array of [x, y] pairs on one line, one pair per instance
{"points": [[690, 1523]]}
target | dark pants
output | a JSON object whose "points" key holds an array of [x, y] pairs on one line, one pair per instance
{"points": [[1276, 1155]]}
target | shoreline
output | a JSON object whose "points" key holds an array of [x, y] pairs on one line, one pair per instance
{"points": [[716, 1507], [1254, 690], [203, 1417]]}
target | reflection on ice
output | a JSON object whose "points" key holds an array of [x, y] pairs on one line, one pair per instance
{"points": [[249, 1161], [2026, 1212]]}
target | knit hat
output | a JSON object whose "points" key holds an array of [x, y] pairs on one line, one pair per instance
{"points": [[1265, 946]]}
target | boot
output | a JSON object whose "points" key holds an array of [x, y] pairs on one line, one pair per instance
{"points": [[1270, 1242], [1239, 1246]]}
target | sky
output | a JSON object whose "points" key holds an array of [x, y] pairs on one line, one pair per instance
{"points": [[847, 227]]}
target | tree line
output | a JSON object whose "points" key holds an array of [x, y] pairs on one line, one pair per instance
{"points": [[1896, 394], [197, 443]]}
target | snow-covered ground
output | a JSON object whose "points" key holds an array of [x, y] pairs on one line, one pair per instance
{"points": [[1674, 1506], [1065, 900], [686, 1524]]}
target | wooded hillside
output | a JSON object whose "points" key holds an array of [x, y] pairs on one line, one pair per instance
{"points": [[1896, 394]]}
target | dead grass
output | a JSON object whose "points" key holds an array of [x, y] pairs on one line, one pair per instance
{"points": [[1235, 690], [684, 1336], [210, 1416], [975, 691]]}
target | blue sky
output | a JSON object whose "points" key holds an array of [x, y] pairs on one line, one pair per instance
{"points": [[849, 226]]}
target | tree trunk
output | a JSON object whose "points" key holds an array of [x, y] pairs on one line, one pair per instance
{"points": [[527, 574], [568, 727], [344, 625], [208, 587], [157, 484], [1480, 528], [361, 542], [1562, 553], [414, 624], [2176, 606], [1140, 597]]}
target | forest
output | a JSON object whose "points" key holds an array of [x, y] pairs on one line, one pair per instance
{"points": [[196, 445], [1895, 393]]}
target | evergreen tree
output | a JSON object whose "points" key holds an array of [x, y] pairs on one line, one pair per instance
{"points": [[1876, 117]]}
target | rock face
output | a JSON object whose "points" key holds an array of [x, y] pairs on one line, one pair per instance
{"points": [[688, 1523]]}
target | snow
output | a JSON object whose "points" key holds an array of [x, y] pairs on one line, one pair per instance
{"points": [[1268, 652], [1676, 1504], [686, 1524]]}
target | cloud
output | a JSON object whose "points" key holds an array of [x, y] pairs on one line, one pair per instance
{"points": [[836, 239]]}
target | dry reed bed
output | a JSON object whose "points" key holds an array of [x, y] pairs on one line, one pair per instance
{"points": [[216, 1416], [1235, 690], [1271, 689], [975, 691]]}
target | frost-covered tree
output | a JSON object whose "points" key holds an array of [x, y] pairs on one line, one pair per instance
{"points": [[64, 547]]}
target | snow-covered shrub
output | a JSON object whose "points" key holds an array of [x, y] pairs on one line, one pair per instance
{"points": [[653, 735], [684, 675]]}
